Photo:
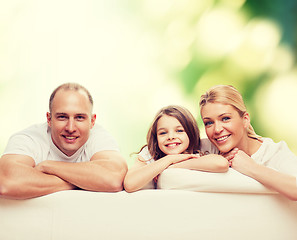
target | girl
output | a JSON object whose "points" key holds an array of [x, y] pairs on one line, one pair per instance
{"points": [[227, 125], [172, 141]]}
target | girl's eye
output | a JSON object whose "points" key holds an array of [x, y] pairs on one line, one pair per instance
{"points": [[162, 133], [180, 130]]}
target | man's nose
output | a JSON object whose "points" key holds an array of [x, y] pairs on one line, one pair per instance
{"points": [[70, 127]]}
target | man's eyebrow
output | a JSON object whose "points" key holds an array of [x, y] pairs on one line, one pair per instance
{"points": [[60, 113]]}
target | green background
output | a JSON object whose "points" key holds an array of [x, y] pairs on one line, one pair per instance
{"points": [[137, 56]]}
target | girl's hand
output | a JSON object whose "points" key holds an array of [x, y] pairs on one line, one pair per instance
{"points": [[179, 157]]}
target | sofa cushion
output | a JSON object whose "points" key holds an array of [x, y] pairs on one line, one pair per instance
{"points": [[228, 182]]}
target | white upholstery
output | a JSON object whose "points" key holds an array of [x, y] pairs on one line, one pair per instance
{"points": [[231, 181], [149, 214]]}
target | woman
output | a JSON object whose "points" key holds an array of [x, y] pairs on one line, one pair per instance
{"points": [[227, 125]]}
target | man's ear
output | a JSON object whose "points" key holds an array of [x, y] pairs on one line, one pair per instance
{"points": [[48, 118], [93, 120]]}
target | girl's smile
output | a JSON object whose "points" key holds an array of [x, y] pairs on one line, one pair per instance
{"points": [[171, 136]]}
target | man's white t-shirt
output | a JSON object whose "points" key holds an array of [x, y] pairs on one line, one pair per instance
{"points": [[37, 143]]}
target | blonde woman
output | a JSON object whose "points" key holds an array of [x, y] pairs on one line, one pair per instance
{"points": [[227, 125]]}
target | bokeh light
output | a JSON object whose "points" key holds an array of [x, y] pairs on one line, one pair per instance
{"points": [[138, 56]]}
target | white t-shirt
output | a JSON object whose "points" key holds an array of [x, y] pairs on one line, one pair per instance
{"points": [[270, 154], [37, 143]]}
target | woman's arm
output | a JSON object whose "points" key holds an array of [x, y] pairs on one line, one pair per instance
{"points": [[142, 173], [207, 163], [280, 182]]}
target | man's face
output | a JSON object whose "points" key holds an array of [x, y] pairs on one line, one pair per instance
{"points": [[70, 120]]}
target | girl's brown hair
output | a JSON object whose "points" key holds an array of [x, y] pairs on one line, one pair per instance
{"points": [[187, 121]]}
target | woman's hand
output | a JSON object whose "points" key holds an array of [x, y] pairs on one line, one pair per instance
{"points": [[230, 155], [241, 162]]}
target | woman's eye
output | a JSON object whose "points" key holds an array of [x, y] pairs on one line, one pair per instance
{"points": [[207, 124], [225, 118]]}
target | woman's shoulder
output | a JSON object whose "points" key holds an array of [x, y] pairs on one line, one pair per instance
{"points": [[270, 148]]}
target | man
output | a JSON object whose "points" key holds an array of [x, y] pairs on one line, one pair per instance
{"points": [[68, 152]]}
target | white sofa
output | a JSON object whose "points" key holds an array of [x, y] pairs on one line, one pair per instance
{"points": [[168, 213]]}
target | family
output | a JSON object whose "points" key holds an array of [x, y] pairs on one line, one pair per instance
{"points": [[70, 151]]}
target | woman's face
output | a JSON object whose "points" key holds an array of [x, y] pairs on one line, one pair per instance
{"points": [[224, 127], [171, 136]]}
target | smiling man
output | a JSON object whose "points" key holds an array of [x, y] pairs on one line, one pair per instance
{"points": [[68, 152]]}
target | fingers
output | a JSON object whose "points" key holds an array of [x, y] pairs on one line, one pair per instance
{"points": [[230, 156]]}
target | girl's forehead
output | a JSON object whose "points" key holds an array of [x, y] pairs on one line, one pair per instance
{"points": [[166, 120]]}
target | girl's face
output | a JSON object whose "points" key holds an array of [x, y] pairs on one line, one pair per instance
{"points": [[224, 127], [171, 136]]}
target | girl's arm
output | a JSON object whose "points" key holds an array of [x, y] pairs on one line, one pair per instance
{"points": [[207, 163], [142, 173], [283, 183]]}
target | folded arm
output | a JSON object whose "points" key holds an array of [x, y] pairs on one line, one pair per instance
{"points": [[142, 173], [207, 163], [283, 183], [105, 172], [20, 180]]}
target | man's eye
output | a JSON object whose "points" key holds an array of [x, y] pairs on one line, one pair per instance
{"points": [[61, 117], [80, 118]]}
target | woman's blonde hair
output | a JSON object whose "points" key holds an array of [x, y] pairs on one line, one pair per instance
{"points": [[188, 122], [227, 94]]}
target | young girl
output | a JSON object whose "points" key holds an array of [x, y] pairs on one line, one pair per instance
{"points": [[172, 141], [227, 125]]}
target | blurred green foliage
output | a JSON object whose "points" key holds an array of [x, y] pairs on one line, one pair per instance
{"points": [[249, 44]]}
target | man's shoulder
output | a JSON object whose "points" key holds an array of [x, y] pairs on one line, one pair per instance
{"points": [[100, 139], [36, 130]]}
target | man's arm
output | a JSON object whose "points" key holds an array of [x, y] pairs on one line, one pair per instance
{"points": [[105, 172], [20, 180]]}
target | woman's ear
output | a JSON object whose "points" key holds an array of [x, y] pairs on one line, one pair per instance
{"points": [[246, 120]]}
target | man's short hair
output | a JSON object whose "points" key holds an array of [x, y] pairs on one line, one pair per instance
{"points": [[69, 86]]}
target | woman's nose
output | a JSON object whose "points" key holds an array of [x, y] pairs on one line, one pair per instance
{"points": [[218, 127]]}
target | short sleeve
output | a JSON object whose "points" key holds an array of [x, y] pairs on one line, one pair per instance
{"points": [[22, 144], [100, 140]]}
